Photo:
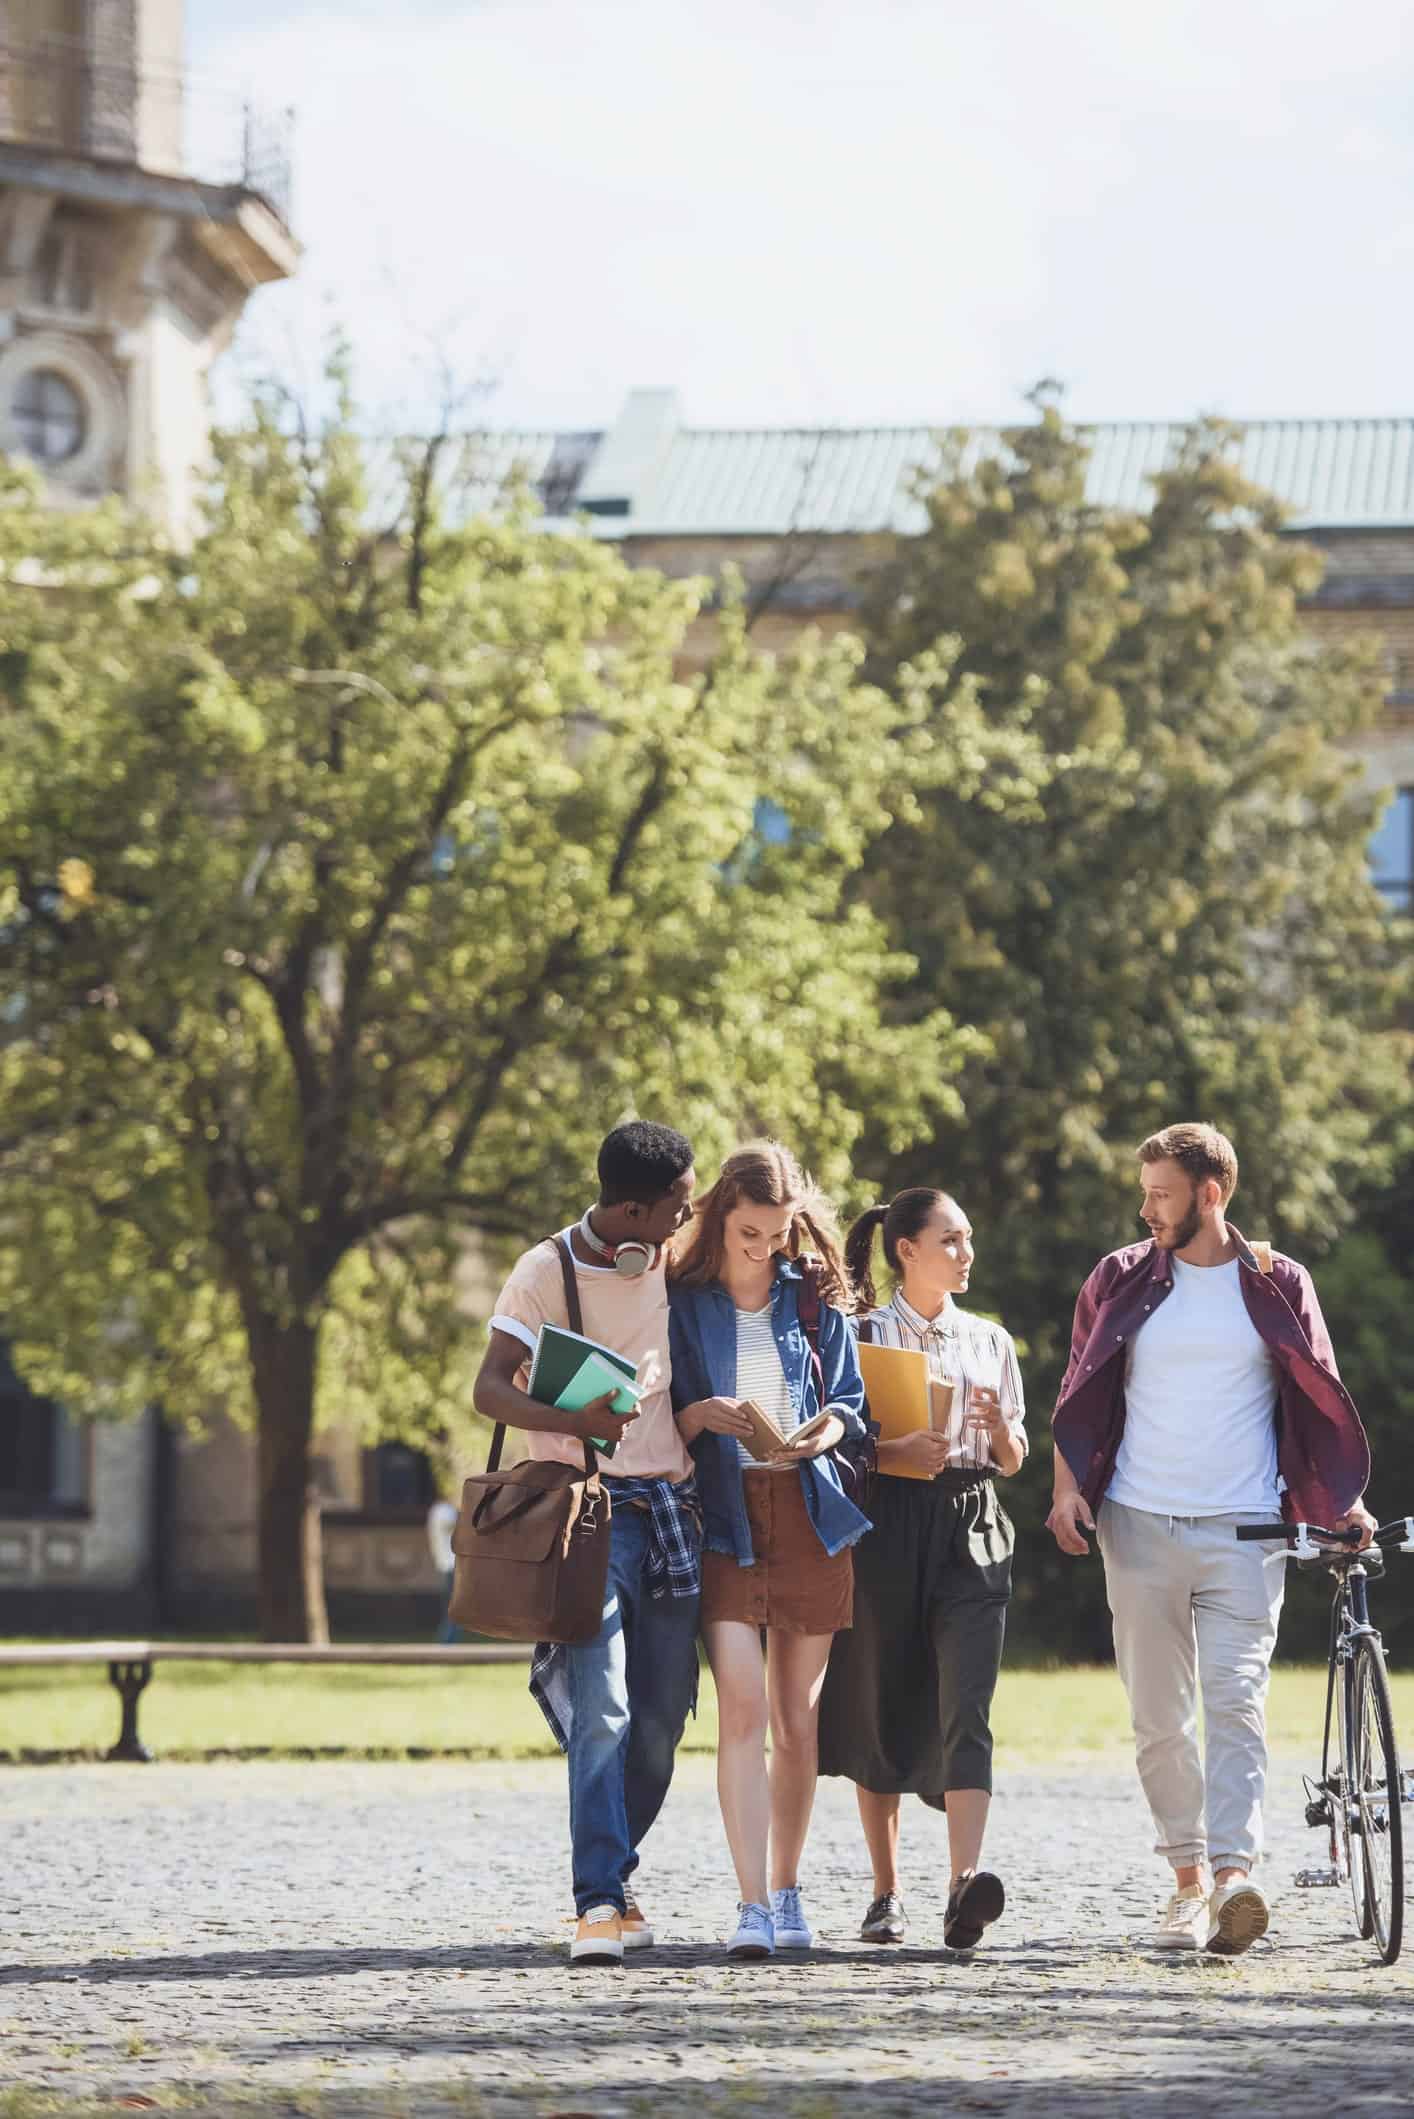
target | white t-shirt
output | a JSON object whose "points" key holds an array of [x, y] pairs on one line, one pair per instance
{"points": [[761, 1378], [1200, 1393]]}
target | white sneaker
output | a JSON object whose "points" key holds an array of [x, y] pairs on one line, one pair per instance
{"points": [[793, 1931], [755, 1932], [1237, 1917], [1184, 1921]]}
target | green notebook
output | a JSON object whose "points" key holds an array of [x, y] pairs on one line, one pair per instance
{"points": [[596, 1376], [560, 1355]]}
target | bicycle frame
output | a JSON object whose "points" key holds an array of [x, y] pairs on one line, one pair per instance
{"points": [[1360, 1796]]}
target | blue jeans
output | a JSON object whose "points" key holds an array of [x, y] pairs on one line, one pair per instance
{"points": [[631, 1688], [449, 1634]]}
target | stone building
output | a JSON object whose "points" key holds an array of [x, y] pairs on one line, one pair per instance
{"points": [[138, 211]]}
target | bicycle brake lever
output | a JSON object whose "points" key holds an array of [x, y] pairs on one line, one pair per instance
{"points": [[1304, 1546], [1408, 1545]]}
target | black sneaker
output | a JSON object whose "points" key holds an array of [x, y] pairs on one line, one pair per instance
{"points": [[972, 1906], [884, 1922]]}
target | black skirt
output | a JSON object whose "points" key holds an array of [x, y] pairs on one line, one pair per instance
{"points": [[908, 1690]]}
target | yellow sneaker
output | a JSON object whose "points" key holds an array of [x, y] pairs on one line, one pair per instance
{"points": [[599, 1938]]}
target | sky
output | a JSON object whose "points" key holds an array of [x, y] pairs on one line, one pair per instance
{"points": [[868, 212]]}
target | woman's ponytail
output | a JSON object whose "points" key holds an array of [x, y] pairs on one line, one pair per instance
{"points": [[903, 1218], [859, 1255]]}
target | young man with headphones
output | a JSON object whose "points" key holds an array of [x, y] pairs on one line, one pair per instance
{"points": [[617, 1704]]}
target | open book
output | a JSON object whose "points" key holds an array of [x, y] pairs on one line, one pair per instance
{"points": [[571, 1371], [766, 1439]]}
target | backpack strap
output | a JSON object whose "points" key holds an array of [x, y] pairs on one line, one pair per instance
{"points": [[808, 1311], [1262, 1252]]}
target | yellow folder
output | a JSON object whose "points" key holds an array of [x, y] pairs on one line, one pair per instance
{"points": [[896, 1385]]}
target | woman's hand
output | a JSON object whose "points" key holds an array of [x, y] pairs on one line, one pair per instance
{"points": [[821, 1438], [713, 1416], [922, 1451], [985, 1416]]}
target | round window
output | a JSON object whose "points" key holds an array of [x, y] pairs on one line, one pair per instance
{"points": [[48, 417]]}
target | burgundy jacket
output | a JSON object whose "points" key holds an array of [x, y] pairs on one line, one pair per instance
{"points": [[1321, 1448]]}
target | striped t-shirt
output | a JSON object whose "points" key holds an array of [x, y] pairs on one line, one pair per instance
{"points": [[970, 1351], [760, 1377]]}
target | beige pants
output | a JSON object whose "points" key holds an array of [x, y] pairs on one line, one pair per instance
{"points": [[1195, 1613]]}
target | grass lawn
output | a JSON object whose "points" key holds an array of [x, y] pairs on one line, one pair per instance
{"points": [[204, 1710]]}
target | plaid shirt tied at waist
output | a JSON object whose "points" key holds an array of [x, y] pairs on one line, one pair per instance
{"points": [[673, 1567]]}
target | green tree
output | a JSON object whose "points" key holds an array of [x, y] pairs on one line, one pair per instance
{"points": [[356, 873], [1183, 926]]}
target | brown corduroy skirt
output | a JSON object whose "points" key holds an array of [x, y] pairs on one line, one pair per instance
{"points": [[793, 1584]]}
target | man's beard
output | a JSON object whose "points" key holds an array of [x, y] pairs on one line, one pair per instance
{"points": [[1186, 1230]]}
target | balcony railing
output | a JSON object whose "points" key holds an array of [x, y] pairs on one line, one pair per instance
{"points": [[100, 106]]}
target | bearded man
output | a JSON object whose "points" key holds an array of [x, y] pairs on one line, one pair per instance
{"points": [[1202, 1393]]}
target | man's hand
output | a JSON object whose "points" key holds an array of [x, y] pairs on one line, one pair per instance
{"points": [[1069, 1514], [1359, 1516], [715, 1416], [922, 1451], [598, 1422]]}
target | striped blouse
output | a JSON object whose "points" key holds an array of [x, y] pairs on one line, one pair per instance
{"points": [[761, 1377], [969, 1350]]}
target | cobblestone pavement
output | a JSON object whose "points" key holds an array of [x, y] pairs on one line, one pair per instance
{"points": [[367, 1939]]}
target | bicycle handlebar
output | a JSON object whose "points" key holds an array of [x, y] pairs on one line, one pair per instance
{"points": [[1296, 1533], [1398, 1535]]}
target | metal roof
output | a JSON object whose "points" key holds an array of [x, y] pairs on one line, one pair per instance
{"points": [[712, 481]]}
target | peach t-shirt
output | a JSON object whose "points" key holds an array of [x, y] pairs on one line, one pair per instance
{"points": [[631, 1316]]}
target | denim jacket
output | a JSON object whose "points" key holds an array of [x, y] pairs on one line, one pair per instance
{"points": [[702, 1335]]}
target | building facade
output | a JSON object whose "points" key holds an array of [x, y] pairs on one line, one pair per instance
{"points": [[138, 212]]}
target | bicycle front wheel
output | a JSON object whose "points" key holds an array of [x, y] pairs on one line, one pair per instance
{"points": [[1379, 1791], [1347, 1857]]}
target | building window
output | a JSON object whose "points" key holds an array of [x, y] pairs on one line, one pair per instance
{"points": [[398, 1479], [48, 416], [1392, 852], [43, 1453], [62, 275]]}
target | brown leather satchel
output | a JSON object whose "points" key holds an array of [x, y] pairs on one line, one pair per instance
{"points": [[531, 1543]]}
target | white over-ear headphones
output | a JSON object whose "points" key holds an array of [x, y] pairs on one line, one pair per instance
{"points": [[632, 1259]]}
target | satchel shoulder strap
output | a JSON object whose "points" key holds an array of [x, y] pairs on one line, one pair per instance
{"points": [[1262, 1252], [866, 1330], [574, 1317]]}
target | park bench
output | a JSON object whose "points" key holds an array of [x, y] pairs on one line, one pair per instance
{"points": [[130, 1664]]}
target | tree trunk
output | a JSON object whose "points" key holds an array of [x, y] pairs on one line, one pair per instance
{"points": [[284, 1363]]}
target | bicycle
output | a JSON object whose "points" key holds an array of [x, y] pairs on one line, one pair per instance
{"points": [[1360, 1795]]}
